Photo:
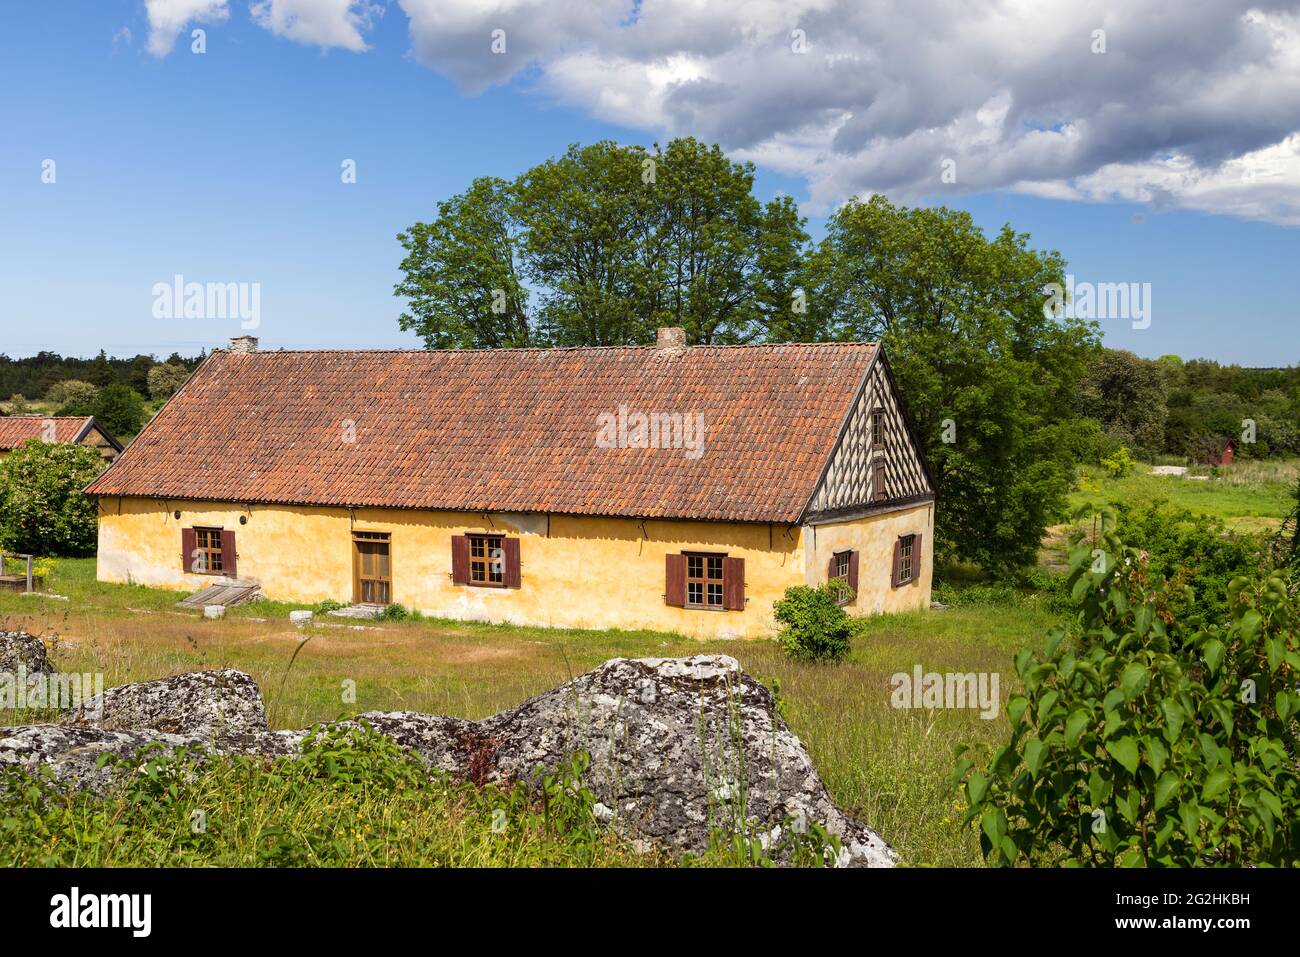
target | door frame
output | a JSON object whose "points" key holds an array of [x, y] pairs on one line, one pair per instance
{"points": [[358, 537]]}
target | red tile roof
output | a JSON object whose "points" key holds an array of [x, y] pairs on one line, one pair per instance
{"points": [[15, 430], [511, 430]]}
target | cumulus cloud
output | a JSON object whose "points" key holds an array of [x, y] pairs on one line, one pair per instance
{"points": [[322, 23], [1193, 107], [167, 18]]}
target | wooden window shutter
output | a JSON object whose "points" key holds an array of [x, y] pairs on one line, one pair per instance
{"points": [[228, 553], [853, 571], [916, 556], [460, 559], [187, 549], [675, 580], [510, 576], [733, 584], [830, 570], [898, 560]]}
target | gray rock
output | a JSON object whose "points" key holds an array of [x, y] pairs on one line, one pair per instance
{"points": [[19, 649], [680, 747], [207, 705]]}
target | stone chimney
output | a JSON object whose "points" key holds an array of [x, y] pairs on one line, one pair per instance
{"points": [[671, 337], [244, 344]]}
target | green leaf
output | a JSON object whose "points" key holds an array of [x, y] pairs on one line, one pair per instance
{"points": [[1166, 787], [1133, 680], [1190, 815], [1216, 783], [976, 787], [1125, 751], [1034, 753], [1075, 725], [1213, 654]]}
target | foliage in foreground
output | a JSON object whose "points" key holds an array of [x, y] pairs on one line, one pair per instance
{"points": [[1150, 741], [42, 508], [353, 799], [817, 628]]}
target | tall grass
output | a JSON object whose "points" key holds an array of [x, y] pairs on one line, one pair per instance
{"points": [[887, 767]]}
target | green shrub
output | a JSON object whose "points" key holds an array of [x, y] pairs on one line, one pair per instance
{"points": [[1149, 740], [328, 605], [42, 508], [816, 627], [396, 612], [72, 392], [1119, 463], [1194, 550]]}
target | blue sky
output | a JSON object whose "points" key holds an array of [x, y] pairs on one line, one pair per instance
{"points": [[225, 167]]}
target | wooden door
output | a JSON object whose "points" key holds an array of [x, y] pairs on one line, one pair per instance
{"points": [[372, 568]]}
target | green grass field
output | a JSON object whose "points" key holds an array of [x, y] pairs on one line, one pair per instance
{"points": [[888, 767], [1250, 496]]}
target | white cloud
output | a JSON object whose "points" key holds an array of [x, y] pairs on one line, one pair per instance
{"points": [[167, 18], [1013, 94], [322, 23]]}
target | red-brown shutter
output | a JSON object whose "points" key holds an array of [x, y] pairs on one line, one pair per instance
{"points": [[830, 569], [916, 556], [898, 560], [187, 549], [228, 553], [853, 571], [675, 580], [459, 559], [733, 584], [510, 576]]}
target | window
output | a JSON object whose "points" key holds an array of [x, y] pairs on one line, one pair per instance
{"points": [[878, 428], [907, 559], [844, 574], [704, 581], [207, 551], [841, 566], [486, 560]]}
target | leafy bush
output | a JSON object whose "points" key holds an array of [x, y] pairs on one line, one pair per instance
{"points": [[1119, 463], [72, 392], [42, 508], [1149, 741], [1191, 549], [817, 628], [396, 612], [328, 605]]}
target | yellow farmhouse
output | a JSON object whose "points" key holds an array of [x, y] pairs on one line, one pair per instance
{"points": [[661, 487]]}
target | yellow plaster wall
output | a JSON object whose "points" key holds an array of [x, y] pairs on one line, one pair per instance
{"points": [[873, 538], [588, 573], [582, 572]]}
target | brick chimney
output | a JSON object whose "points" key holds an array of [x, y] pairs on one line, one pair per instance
{"points": [[670, 337], [244, 344]]}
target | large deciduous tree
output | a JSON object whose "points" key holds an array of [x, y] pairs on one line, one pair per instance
{"points": [[990, 378], [599, 247], [1128, 395]]}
